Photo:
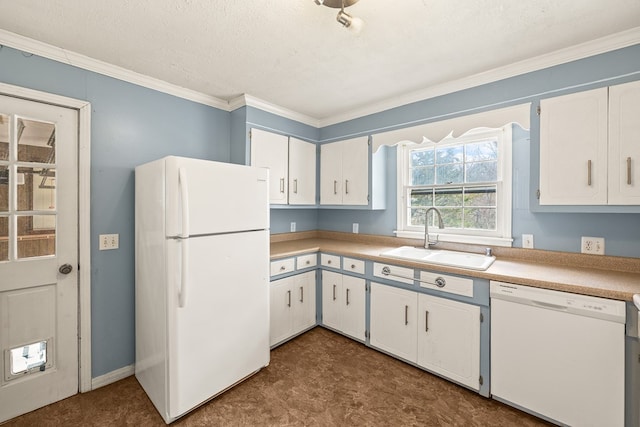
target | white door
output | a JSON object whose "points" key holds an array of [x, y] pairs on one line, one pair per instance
{"points": [[331, 174], [355, 171], [331, 298], [449, 339], [271, 151], [304, 301], [38, 255], [281, 312], [302, 172], [394, 320], [352, 318]]}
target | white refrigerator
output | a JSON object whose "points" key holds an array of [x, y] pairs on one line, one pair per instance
{"points": [[202, 275]]}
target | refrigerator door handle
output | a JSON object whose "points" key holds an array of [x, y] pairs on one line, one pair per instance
{"points": [[184, 193], [184, 234]]}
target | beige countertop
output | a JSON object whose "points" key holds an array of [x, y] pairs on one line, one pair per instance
{"points": [[603, 276]]}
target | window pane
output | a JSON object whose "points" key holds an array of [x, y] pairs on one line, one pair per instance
{"points": [[4, 238], [485, 196], [452, 154], [422, 157], [481, 172], [422, 176], [448, 197], [28, 357], [4, 189], [480, 218], [36, 189], [4, 137], [36, 141], [452, 217], [422, 197], [36, 235], [481, 151], [449, 174]]}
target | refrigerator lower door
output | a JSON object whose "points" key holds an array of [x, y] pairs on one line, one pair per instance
{"points": [[221, 333]]}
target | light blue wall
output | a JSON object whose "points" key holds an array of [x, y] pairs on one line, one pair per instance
{"points": [[558, 231], [130, 125]]}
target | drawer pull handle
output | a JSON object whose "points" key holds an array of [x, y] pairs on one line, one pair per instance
{"points": [[335, 187], [347, 296], [301, 294], [334, 292], [289, 298], [406, 315], [346, 186]]}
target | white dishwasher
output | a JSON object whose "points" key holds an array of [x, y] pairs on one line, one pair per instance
{"points": [[558, 355]]}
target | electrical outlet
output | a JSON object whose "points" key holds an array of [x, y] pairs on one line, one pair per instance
{"points": [[592, 245], [293, 227], [109, 241], [527, 241], [356, 227]]}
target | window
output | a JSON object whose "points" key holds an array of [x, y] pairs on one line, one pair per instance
{"points": [[468, 179]]}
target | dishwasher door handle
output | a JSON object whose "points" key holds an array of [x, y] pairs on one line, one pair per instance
{"points": [[549, 305]]}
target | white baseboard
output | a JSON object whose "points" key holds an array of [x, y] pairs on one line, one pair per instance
{"points": [[112, 377]]}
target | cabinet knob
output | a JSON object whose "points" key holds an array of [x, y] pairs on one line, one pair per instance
{"points": [[282, 268], [386, 271], [353, 266], [328, 261], [440, 282], [308, 262]]}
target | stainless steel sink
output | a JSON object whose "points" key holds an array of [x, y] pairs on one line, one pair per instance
{"points": [[442, 257]]}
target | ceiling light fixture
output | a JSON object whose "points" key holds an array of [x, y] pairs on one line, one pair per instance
{"points": [[346, 20]]}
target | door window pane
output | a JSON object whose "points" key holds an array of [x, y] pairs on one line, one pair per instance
{"points": [[4, 137], [36, 189], [4, 189], [36, 235], [36, 141], [4, 238], [29, 358]]}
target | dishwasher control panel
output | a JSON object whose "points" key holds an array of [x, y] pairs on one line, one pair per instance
{"points": [[584, 305]]}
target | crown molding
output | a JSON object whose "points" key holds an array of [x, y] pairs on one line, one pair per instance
{"points": [[252, 101], [573, 53], [45, 50]]}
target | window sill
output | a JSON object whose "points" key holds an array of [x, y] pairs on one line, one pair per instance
{"points": [[458, 238]]}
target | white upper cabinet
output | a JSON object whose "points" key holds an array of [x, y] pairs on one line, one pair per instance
{"points": [[302, 172], [589, 150], [292, 167], [624, 144], [573, 149], [344, 172]]}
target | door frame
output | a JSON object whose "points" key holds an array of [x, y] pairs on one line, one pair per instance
{"points": [[84, 220]]}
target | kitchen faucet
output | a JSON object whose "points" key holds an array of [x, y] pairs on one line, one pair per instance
{"points": [[427, 241]]}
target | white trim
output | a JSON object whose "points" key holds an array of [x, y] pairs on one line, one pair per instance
{"points": [[45, 50], [113, 376], [84, 222], [572, 53]]}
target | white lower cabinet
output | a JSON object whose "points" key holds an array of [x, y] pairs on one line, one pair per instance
{"points": [[293, 306], [438, 334], [449, 339], [343, 303], [394, 321]]}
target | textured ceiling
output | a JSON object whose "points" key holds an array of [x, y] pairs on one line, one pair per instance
{"points": [[294, 54]]}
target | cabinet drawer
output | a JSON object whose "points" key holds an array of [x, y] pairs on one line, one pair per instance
{"points": [[444, 283], [393, 272], [332, 261], [306, 261], [281, 266], [353, 265]]}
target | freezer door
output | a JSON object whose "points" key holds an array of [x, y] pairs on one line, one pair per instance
{"points": [[220, 335], [205, 197]]}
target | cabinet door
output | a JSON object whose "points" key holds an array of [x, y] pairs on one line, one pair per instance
{"points": [[302, 172], [573, 149], [352, 318], [331, 298], [624, 144], [355, 171], [281, 317], [394, 320], [449, 339], [331, 174], [304, 301], [271, 151]]}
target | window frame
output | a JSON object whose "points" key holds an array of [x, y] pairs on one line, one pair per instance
{"points": [[502, 236]]}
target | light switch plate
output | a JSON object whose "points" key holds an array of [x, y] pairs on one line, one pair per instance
{"points": [[109, 241], [356, 227], [293, 227]]}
